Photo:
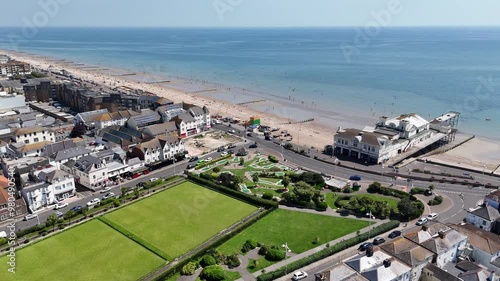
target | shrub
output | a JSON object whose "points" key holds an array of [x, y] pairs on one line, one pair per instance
{"points": [[275, 169], [417, 190], [189, 268], [207, 260], [273, 159], [233, 261], [322, 206], [242, 161], [263, 250], [267, 196], [3, 241], [212, 273], [216, 169], [29, 230], [275, 255], [219, 258], [249, 245], [436, 201]]}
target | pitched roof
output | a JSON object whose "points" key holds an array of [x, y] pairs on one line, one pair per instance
{"points": [[487, 212], [85, 163], [479, 238], [29, 130], [149, 145], [90, 116], [440, 274], [494, 196], [186, 117], [162, 128], [363, 137], [70, 153], [52, 148], [407, 251], [442, 243], [33, 146], [4, 195]]}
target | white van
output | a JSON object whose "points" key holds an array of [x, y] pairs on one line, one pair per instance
{"points": [[30, 217]]}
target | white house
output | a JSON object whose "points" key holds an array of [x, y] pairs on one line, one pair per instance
{"points": [[201, 115], [413, 255], [61, 152], [446, 243], [186, 124], [113, 119], [89, 171], [19, 150], [33, 135], [379, 266], [88, 118], [47, 187], [484, 217], [493, 199], [159, 149]]}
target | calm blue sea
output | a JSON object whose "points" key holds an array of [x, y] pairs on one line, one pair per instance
{"points": [[424, 70]]}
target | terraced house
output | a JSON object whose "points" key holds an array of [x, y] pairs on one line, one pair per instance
{"points": [[159, 149]]}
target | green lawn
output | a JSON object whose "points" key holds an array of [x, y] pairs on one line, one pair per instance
{"points": [[179, 219], [392, 202], [91, 251], [330, 199], [297, 228]]}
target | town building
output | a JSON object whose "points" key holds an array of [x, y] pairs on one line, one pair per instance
{"points": [[11, 101], [433, 273], [485, 217], [340, 272], [444, 242], [113, 119], [413, 255], [19, 206], [159, 150], [33, 135], [161, 129], [493, 199], [88, 171], [42, 90], [18, 150], [62, 152], [146, 117], [13, 68], [47, 186], [377, 265], [389, 139], [88, 118]]}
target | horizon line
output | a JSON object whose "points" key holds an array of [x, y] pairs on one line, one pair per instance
{"points": [[259, 27]]}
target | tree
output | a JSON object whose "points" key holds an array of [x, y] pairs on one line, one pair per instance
{"points": [[212, 273], [78, 131], [407, 209], [52, 220], [255, 178], [207, 260], [136, 192], [69, 214], [242, 161], [189, 268], [85, 211], [286, 181], [124, 191]]}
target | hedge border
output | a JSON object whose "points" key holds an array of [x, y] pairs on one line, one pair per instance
{"points": [[135, 238], [212, 162], [329, 251]]}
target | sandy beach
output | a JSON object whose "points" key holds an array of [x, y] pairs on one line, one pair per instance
{"points": [[274, 111]]}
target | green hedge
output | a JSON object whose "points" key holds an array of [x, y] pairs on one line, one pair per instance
{"points": [[251, 199], [212, 162], [138, 240], [328, 251]]}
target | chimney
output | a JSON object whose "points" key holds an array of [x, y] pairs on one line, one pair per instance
{"points": [[387, 263], [442, 234], [425, 227], [369, 251]]}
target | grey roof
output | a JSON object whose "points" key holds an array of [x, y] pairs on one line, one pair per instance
{"points": [[85, 163], [163, 128], [439, 245], [186, 117], [407, 251], [52, 148], [440, 274], [90, 116], [70, 153], [197, 110], [487, 212], [147, 116]]}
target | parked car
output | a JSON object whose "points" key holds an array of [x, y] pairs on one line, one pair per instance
{"points": [[432, 216], [191, 166], [220, 149], [231, 146], [421, 221], [153, 179], [108, 196], [76, 208], [299, 275], [249, 134], [395, 234], [232, 131], [364, 246], [59, 214], [378, 241], [146, 172], [60, 205], [30, 217], [355, 178], [230, 152], [223, 154], [136, 175], [253, 145], [428, 192], [106, 189], [208, 159], [192, 159], [93, 202]]}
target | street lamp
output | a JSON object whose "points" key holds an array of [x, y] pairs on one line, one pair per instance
{"points": [[369, 224], [287, 250]]}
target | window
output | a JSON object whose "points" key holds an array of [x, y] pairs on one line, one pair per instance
{"points": [[94, 176], [35, 139], [484, 222], [26, 141]]}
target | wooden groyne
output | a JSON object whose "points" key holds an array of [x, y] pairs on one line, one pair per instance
{"points": [[207, 90], [125, 74], [158, 82], [250, 102], [299, 122]]}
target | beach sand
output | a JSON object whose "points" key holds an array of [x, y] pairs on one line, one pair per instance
{"points": [[273, 111]]}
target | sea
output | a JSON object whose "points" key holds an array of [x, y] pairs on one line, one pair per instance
{"points": [[427, 71]]}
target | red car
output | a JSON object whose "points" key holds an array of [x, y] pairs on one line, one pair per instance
{"points": [[145, 172], [134, 176]]}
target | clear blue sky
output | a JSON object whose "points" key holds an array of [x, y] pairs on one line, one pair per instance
{"points": [[251, 13]]}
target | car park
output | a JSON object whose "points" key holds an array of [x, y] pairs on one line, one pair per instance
{"points": [[378, 241], [355, 178], [364, 246], [108, 196], [421, 221], [93, 202], [395, 234], [299, 275], [60, 205], [30, 217], [432, 216]]}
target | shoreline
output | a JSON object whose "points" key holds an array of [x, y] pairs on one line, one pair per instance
{"points": [[274, 110]]}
